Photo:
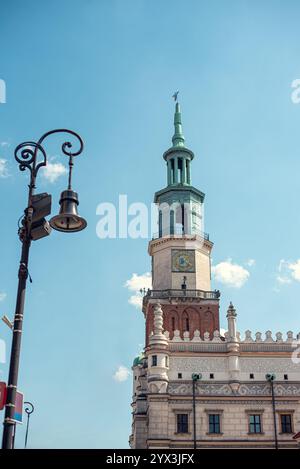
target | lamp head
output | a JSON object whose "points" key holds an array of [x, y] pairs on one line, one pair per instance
{"points": [[196, 376], [270, 376], [68, 219]]}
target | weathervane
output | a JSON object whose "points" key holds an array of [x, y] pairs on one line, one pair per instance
{"points": [[175, 95]]}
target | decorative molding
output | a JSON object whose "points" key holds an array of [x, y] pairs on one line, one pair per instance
{"points": [[245, 389]]}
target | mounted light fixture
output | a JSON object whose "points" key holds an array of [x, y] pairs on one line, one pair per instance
{"points": [[68, 219]]}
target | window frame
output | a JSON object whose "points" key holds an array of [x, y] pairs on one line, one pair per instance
{"points": [[286, 412], [218, 412], [255, 432], [215, 424], [178, 429]]}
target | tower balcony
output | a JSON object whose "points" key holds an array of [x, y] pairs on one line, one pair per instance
{"points": [[180, 293], [178, 231]]}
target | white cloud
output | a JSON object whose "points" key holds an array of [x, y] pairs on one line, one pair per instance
{"points": [[122, 374], [250, 262], [232, 275], [53, 171], [136, 300], [4, 173], [288, 271], [135, 284], [295, 270], [2, 296]]}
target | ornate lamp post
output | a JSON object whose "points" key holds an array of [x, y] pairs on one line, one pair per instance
{"points": [[271, 377], [32, 156], [195, 377]]}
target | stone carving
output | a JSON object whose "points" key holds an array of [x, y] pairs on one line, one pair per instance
{"points": [[167, 334], [265, 364], [206, 336], [269, 337], [216, 337], [226, 335], [177, 337], [238, 336], [197, 337], [279, 337], [158, 319], [186, 336], [157, 387], [248, 337], [201, 389], [258, 337], [290, 336], [196, 364]]}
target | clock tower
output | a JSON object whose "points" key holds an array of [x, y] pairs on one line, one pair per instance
{"points": [[180, 250], [194, 387]]}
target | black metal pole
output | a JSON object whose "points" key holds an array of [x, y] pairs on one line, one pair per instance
{"points": [[9, 422], [27, 159], [274, 414], [194, 414]]}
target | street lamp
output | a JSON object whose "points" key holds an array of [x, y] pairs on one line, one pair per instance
{"points": [[271, 377], [32, 156], [195, 377]]}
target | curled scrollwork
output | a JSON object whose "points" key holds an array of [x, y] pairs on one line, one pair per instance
{"points": [[26, 155], [67, 146], [32, 155], [29, 409]]}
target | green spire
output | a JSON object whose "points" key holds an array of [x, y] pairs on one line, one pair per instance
{"points": [[178, 138]]}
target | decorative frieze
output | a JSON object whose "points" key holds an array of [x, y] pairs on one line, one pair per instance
{"points": [[224, 389]]}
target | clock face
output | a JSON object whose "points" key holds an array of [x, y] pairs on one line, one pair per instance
{"points": [[183, 261]]}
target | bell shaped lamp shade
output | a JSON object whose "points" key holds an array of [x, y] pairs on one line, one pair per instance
{"points": [[68, 219]]}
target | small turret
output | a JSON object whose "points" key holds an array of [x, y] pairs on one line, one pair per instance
{"points": [[158, 355]]}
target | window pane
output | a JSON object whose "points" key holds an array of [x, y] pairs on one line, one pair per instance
{"points": [[182, 423], [254, 424], [286, 423], [214, 423]]}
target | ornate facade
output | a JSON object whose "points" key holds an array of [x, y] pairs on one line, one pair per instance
{"points": [[193, 386]]}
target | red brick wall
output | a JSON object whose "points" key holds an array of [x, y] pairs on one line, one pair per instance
{"points": [[202, 317]]}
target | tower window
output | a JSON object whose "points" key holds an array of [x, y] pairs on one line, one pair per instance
{"points": [[167, 361], [179, 375], [154, 360], [251, 376], [187, 324], [182, 423], [211, 376], [173, 324], [285, 377]]}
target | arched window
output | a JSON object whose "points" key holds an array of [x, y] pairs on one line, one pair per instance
{"points": [[173, 323]]}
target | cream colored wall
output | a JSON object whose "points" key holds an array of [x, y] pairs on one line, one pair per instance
{"points": [[164, 278], [234, 419]]}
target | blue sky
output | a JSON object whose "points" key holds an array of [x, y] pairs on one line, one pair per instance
{"points": [[108, 69]]}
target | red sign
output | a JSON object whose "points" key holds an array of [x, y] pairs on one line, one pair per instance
{"points": [[18, 417], [2, 395], [296, 436]]}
